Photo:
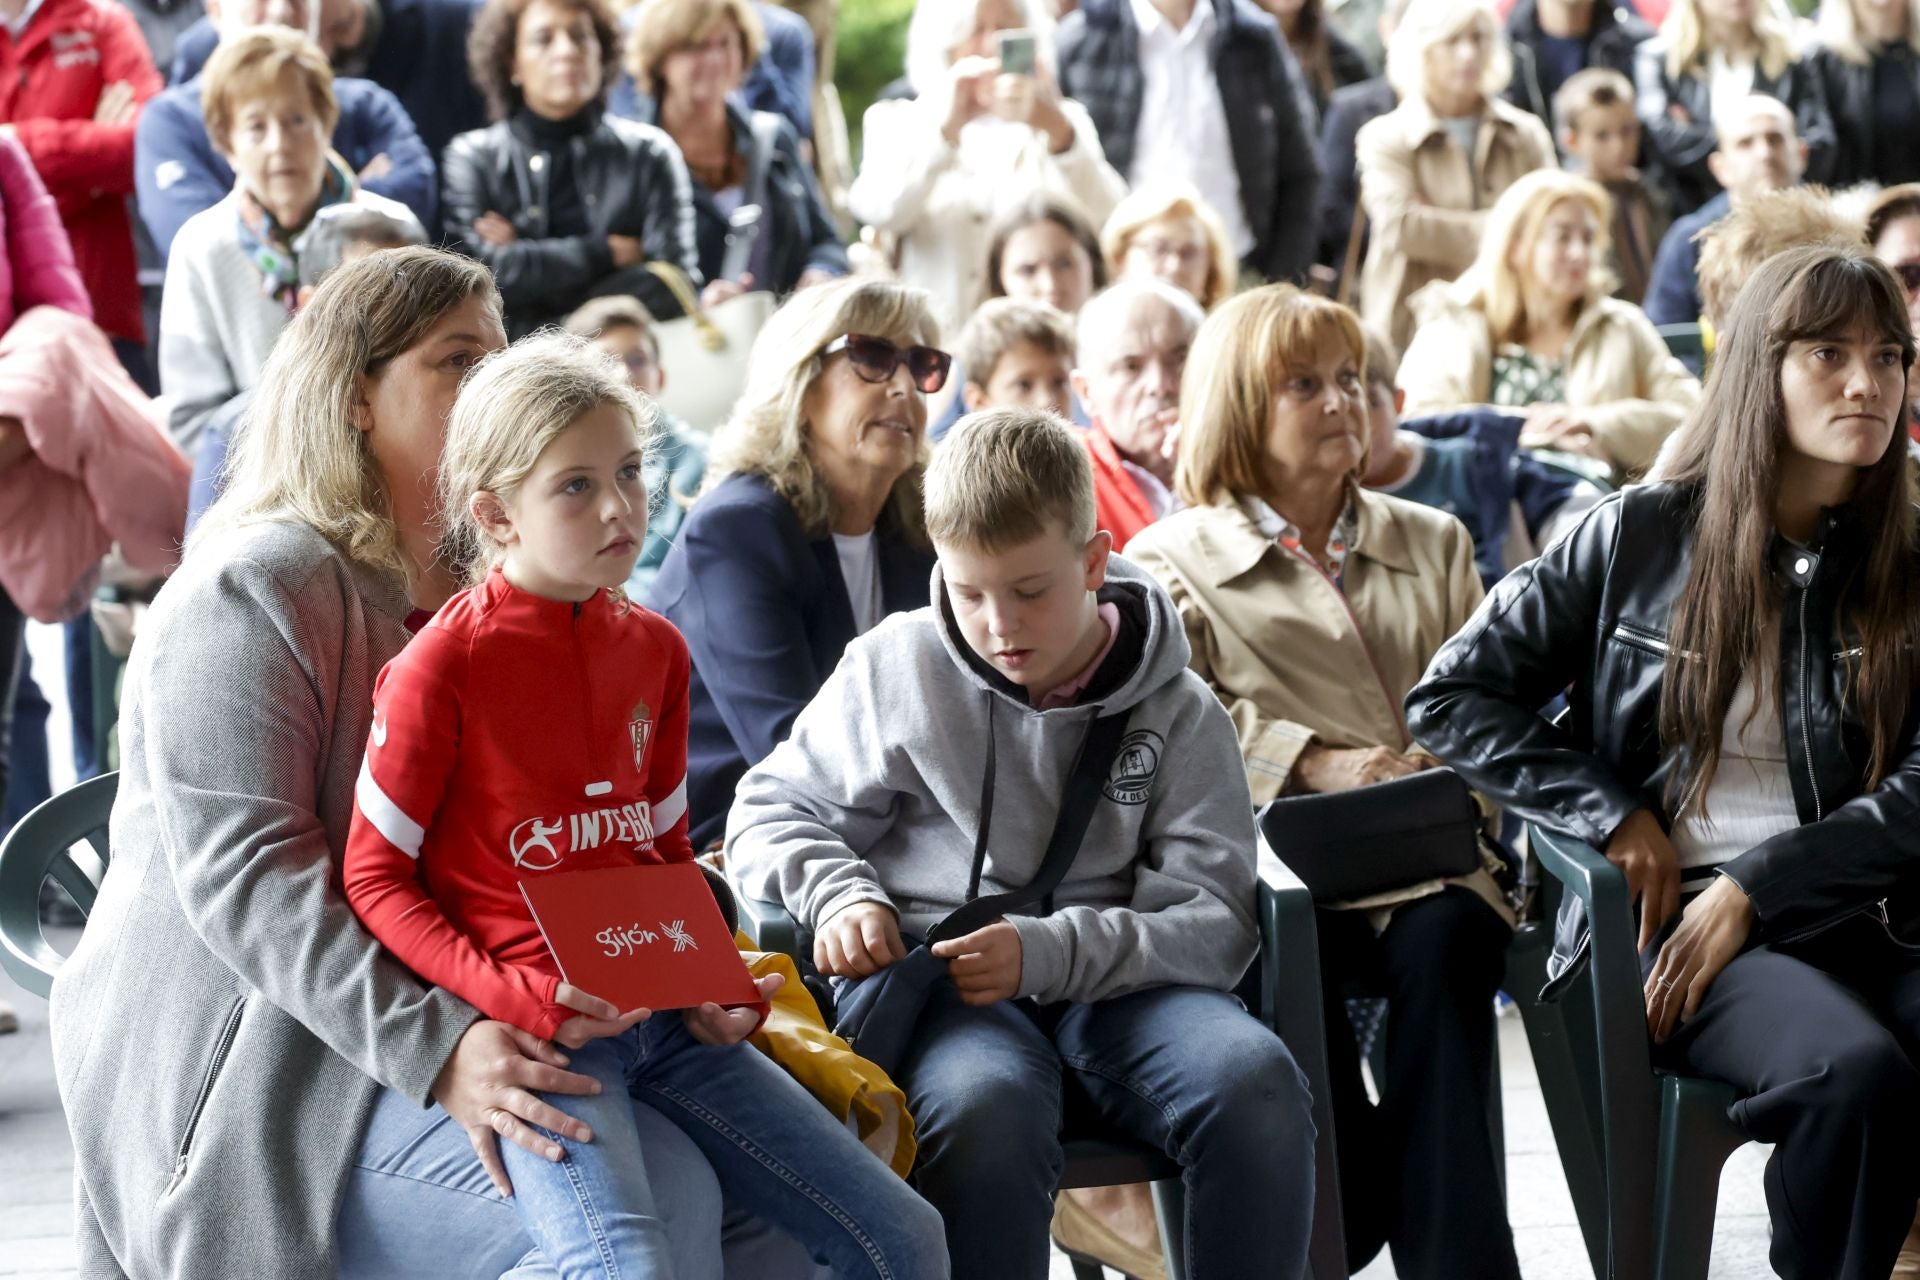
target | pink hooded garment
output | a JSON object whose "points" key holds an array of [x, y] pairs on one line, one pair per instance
{"points": [[101, 470]]}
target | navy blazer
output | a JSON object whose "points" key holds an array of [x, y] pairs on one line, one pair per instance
{"points": [[766, 616]]}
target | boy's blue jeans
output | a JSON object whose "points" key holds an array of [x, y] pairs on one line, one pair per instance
{"points": [[776, 1151], [1179, 1068]]}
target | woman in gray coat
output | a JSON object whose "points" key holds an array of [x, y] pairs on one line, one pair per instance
{"points": [[254, 1087]]}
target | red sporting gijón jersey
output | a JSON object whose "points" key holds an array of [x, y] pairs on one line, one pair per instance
{"points": [[514, 736]]}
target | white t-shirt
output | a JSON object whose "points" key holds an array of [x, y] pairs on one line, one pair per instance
{"points": [[1182, 134], [1750, 799], [860, 570], [1729, 83]]}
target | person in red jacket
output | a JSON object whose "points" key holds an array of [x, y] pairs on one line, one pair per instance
{"points": [[73, 76], [538, 724], [1132, 348]]}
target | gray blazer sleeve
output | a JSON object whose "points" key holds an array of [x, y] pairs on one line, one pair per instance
{"points": [[241, 699]]}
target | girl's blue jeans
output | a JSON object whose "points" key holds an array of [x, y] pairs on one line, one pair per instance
{"points": [[775, 1150]]}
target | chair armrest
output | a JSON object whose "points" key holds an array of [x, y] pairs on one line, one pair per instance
{"points": [[774, 928], [1607, 1025]]}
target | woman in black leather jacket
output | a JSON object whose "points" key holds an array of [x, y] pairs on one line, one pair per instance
{"points": [[1738, 649], [563, 201], [1869, 68], [1675, 79], [687, 58]]}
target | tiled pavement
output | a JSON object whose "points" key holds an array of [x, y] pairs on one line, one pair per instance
{"points": [[36, 1166]]}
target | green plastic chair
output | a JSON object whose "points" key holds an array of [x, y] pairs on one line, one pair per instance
{"points": [[1289, 1002], [44, 844], [1642, 1149], [1684, 341]]}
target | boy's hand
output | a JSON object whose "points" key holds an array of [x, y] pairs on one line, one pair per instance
{"points": [[593, 1017], [712, 1024], [858, 941], [984, 965]]}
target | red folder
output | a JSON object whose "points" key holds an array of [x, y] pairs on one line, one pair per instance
{"points": [[642, 937]]}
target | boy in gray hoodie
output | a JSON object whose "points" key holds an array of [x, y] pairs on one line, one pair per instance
{"points": [[863, 824]]}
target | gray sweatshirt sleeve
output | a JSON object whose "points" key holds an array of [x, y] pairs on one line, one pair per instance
{"points": [[801, 816], [1190, 921], [235, 762]]}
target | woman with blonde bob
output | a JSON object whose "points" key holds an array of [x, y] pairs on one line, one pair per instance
{"points": [[1708, 56], [1531, 327], [810, 529], [1312, 606], [1169, 232], [1431, 167], [357, 1112], [1867, 59]]}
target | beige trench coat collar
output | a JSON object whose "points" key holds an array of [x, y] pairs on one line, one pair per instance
{"points": [[1232, 544]]}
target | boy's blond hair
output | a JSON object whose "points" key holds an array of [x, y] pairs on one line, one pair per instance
{"points": [[1772, 222], [511, 407], [1000, 325], [1002, 476], [1588, 90]]}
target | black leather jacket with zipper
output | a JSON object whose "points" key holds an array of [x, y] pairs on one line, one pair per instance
{"points": [[1590, 617], [632, 182]]}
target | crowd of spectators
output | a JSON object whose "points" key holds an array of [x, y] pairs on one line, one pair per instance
{"points": [[1415, 368]]}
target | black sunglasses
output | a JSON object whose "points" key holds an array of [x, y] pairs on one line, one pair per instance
{"points": [[875, 359]]}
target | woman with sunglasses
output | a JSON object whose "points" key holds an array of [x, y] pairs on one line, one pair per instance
{"points": [[809, 530]]}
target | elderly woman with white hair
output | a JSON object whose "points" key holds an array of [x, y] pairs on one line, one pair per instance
{"points": [[1431, 167], [809, 531], [1709, 55], [1529, 328], [974, 140], [1867, 60]]}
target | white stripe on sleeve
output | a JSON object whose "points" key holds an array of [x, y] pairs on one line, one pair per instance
{"points": [[402, 832], [672, 809]]}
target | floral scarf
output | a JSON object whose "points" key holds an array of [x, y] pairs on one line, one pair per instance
{"points": [[276, 254]]}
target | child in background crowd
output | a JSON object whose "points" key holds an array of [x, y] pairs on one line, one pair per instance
{"points": [[537, 679], [865, 821], [1600, 136], [676, 462], [1017, 355], [1469, 465]]}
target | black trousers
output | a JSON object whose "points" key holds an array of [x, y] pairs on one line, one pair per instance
{"points": [[1819, 1039], [1418, 1171]]}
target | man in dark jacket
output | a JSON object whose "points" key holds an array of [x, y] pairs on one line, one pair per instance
{"points": [[415, 49], [1552, 39], [1159, 124]]}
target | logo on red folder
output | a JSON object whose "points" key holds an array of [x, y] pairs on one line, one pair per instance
{"points": [[641, 936]]}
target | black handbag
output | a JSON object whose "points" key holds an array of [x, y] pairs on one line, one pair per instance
{"points": [[1353, 844], [877, 1015]]}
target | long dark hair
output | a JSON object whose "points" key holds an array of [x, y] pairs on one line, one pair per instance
{"points": [[1312, 49], [1729, 454]]}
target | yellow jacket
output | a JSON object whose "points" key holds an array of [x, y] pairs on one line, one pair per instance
{"points": [[859, 1093]]}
